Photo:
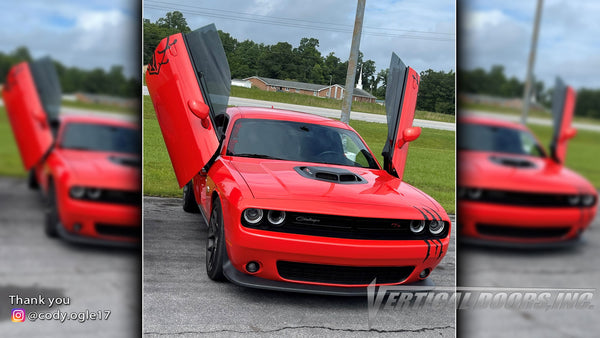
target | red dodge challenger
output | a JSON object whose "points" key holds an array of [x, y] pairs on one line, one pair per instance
{"points": [[292, 201], [88, 166], [511, 192]]}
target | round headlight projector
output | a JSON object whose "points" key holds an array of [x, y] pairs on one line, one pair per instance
{"points": [[253, 216], [435, 227], [276, 217], [417, 226]]}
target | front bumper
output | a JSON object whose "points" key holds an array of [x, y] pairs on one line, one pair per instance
{"points": [[101, 223], [483, 223], [268, 248]]}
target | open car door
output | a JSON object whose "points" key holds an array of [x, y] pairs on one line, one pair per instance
{"points": [[400, 104], [563, 108], [32, 98], [189, 82]]}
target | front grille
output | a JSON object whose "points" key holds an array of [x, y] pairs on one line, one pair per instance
{"points": [[521, 231], [523, 198], [343, 275], [119, 230], [121, 197], [347, 227]]}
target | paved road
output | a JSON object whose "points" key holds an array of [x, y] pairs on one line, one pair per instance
{"points": [[94, 278], [179, 299], [331, 113], [532, 120], [576, 267]]}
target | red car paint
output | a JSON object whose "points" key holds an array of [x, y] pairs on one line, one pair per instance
{"points": [[542, 178], [192, 130], [64, 168]]}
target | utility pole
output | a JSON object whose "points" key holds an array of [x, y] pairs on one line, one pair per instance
{"points": [[351, 74], [528, 79]]}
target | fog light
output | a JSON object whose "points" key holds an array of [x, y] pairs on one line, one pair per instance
{"points": [[436, 227], [253, 216], [276, 217], [77, 227], [424, 273], [252, 267], [417, 226]]}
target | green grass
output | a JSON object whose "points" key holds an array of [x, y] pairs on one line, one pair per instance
{"points": [[307, 100], [10, 161], [582, 152], [430, 164], [101, 107]]}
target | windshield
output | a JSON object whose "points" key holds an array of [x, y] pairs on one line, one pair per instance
{"points": [[297, 141], [101, 137], [480, 137]]}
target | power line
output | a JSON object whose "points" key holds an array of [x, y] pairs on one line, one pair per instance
{"points": [[291, 22]]}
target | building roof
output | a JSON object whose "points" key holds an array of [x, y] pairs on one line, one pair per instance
{"points": [[305, 86]]}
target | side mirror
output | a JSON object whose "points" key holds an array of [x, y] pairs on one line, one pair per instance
{"points": [[569, 134], [411, 134], [201, 110]]}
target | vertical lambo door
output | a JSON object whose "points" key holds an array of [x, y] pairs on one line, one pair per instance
{"points": [[400, 104], [189, 83], [563, 108], [32, 97]]}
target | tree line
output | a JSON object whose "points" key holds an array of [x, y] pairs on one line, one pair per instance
{"points": [[304, 63], [73, 79], [494, 82]]}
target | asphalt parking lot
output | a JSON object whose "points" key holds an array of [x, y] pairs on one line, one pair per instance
{"points": [[575, 267], [93, 278], [180, 300]]}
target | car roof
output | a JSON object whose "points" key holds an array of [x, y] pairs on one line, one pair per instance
{"points": [[99, 118], [281, 114], [490, 121]]}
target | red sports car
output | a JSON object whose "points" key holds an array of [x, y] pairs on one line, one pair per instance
{"points": [[511, 192], [87, 166], [292, 201]]}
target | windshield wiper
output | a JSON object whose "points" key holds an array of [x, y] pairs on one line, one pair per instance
{"points": [[258, 156]]}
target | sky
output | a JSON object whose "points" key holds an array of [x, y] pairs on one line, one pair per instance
{"points": [[422, 33], [87, 34], [499, 32]]}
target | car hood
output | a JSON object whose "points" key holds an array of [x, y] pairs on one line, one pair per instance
{"points": [[103, 169], [274, 179], [518, 173]]}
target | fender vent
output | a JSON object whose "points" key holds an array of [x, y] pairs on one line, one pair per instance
{"points": [[335, 175], [512, 162]]}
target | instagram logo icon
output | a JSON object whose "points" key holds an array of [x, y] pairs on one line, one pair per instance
{"points": [[18, 315]]}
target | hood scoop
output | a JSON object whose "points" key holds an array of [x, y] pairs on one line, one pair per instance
{"points": [[333, 175], [126, 161], [512, 162]]}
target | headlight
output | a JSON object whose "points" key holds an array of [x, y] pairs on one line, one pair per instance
{"points": [[94, 193], [276, 217], [77, 192], [253, 216], [417, 226], [461, 192], [474, 193], [436, 227], [588, 200], [574, 199]]}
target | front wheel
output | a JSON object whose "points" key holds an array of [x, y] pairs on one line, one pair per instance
{"points": [[215, 244], [189, 200], [51, 213]]}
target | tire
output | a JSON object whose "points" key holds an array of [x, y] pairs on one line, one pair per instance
{"points": [[32, 182], [51, 213], [215, 244], [189, 201]]}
